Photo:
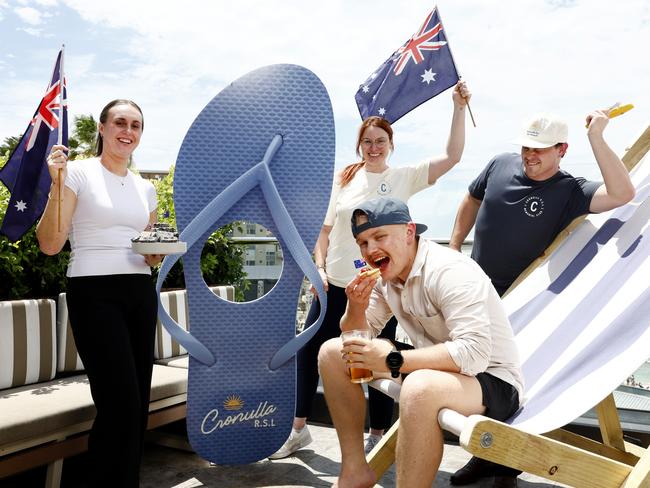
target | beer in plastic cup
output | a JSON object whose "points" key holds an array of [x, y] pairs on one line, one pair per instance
{"points": [[358, 375]]}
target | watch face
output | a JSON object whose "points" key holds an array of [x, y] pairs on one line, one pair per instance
{"points": [[394, 360]]}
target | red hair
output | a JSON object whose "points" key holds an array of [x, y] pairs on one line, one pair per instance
{"points": [[351, 169]]}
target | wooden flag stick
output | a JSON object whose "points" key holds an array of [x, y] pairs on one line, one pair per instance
{"points": [[58, 211], [60, 141], [469, 109], [471, 115]]}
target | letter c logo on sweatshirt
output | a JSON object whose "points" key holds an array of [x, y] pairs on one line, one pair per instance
{"points": [[384, 188]]}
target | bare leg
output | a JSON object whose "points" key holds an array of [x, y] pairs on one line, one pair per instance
{"points": [[299, 423], [347, 406], [420, 441]]}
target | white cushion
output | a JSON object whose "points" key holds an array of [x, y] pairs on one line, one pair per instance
{"points": [[68, 357], [27, 342]]}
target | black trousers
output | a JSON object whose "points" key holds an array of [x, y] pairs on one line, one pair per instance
{"points": [[113, 319], [380, 406]]}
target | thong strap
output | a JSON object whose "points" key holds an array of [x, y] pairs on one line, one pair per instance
{"points": [[259, 175]]}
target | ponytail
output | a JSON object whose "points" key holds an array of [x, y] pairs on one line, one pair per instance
{"points": [[349, 172]]}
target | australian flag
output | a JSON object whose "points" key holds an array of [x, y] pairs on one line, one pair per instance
{"points": [[419, 70], [26, 174]]}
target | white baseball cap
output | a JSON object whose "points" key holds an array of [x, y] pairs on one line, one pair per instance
{"points": [[543, 130]]}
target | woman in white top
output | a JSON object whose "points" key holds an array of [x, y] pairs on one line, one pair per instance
{"points": [[338, 258], [110, 293]]}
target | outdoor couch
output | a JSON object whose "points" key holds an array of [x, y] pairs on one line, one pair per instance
{"points": [[46, 408]]}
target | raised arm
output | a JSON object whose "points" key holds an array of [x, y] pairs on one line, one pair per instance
{"points": [[358, 293], [617, 188], [50, 239], [439, 165], [465, 219]]}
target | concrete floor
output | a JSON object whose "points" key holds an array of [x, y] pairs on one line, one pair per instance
{"points": [[315, 466]]}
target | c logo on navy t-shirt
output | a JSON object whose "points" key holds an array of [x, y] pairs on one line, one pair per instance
{"points": [[384, 188], [533, 206]]}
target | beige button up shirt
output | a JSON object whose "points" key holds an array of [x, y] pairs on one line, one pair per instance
{"points": [[447, 298]]}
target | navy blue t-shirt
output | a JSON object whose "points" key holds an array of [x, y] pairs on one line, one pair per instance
{"points": [[519, 217]]}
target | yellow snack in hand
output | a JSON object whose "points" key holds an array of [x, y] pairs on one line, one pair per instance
{"points": [[619, 109], [616, 110]]}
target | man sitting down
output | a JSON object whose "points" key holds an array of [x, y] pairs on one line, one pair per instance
{"points": [[464, 355]]}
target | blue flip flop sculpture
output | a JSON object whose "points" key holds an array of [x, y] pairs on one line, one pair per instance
{"points": [[261, 151]]}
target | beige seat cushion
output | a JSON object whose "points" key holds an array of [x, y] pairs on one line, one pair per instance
{"points": [[47, 408], [179, 362], [27, 342]]}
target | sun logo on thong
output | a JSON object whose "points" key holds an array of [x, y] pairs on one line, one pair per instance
{"points": [[233, 402]]}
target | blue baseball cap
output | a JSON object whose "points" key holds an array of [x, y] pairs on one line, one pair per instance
{"points": [[383, 211]]}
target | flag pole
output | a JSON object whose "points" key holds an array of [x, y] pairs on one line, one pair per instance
{"points": [[471, 115], [59, 139]]}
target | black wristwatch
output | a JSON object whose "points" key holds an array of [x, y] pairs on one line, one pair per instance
{"points": [[394, 361]]}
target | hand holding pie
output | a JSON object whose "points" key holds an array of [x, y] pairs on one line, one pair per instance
{"points": [[370, 272]]}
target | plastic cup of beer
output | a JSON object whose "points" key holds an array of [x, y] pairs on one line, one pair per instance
{"points": [[358, 375]]}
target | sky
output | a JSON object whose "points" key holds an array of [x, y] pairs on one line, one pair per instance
{"points": [[519, 57]]}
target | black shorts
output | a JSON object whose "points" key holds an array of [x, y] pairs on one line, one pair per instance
{"points": [[500, 399]]}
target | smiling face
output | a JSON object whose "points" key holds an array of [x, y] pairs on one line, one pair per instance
{"points": [[391, 248], [541, 164], [121, 131], [375, 146]]}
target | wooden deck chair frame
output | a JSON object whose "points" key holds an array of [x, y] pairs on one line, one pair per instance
{"points": [[559, 455]]}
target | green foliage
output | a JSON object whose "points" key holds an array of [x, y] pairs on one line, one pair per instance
{"points": [[165, 192], [25, 272], [82, 141], [8, 145], [221, 259]]}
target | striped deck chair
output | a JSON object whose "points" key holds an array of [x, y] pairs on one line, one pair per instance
{"points": [[581, 317]]}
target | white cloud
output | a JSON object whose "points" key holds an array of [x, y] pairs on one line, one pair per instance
{"points": [[29, 15], [32, 31], [3, 5], [518, 56], [79, 67]]}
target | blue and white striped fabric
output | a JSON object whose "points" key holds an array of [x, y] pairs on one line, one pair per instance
{"points": [[582, 318]]}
